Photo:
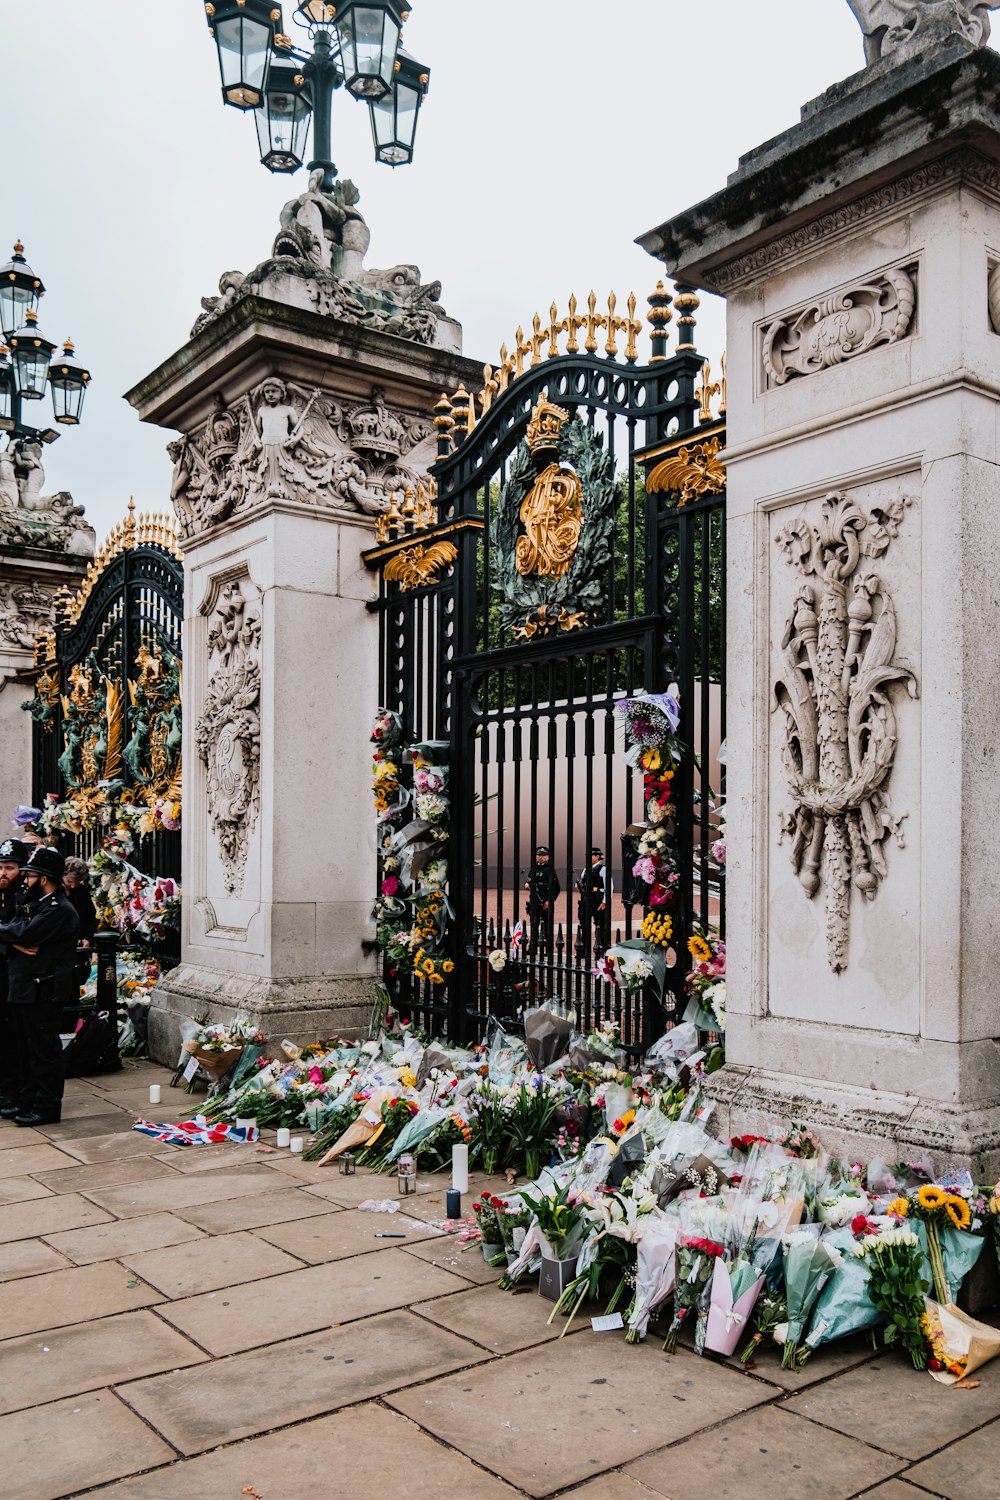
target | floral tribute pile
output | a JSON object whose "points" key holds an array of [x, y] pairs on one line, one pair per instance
{"points": [[412, 912], [653, 746], [142, 908]]}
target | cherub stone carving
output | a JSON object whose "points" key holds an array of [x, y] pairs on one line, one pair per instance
{"points": [[905, 27]]}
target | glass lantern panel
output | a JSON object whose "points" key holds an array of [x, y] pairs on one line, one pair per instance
{"points": [[67, 401], [32, 367], [373, 37], [243, 55], [15, 301]]}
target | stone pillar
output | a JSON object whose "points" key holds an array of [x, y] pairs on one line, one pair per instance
{"points": [[858, 253], [305, 404]]}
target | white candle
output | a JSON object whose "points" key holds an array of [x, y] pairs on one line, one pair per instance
{"points": [[460, 1168], [296, 1145], [154, 1093], [284, 1136]]}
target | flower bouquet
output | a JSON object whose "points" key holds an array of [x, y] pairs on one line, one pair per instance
{"points": [[487, 1210], [808, 1263], [696, 1258], [654, 1275], [893, 1257], [489, 1119], [632, 964], [533, 1107], [957, 1344]]}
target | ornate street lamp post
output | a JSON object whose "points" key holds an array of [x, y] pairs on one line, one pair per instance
{"points": [[351, 43], [26, 359]]}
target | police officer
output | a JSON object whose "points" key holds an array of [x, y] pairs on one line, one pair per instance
{"points": [[543, 890], [14, 854], [592, 883], [41, 951]]}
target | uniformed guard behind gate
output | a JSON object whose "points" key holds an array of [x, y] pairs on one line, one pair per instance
{"points": [[568, 554], [107, 703]]}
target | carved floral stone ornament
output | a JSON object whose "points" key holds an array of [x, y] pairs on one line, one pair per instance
{"points": [[839, 327], [551, 529], [227, 735], [903, 28], [282, 441], [839, 667]]}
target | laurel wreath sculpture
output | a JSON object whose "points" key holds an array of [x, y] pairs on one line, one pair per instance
{"points": [[537, 603]]}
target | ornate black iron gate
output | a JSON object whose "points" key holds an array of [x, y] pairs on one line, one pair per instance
{"points": [[107, 710], [569, 555]]}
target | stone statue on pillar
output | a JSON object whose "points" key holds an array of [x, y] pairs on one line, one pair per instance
{"points": [[31, 518], [903, 28]]}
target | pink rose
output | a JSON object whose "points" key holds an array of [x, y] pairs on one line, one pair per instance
{"points": [[390, 885], [315, 1075]]}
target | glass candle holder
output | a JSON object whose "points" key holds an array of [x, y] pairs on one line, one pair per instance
{"points": [[406, 1175], [347, 1164]]}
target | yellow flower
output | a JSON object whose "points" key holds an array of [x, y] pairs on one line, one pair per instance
{"points": [[428, 966], [958, 1211], [447, 966], [900, 1207], [408, 1078], [699, 949], [930, 1196]]}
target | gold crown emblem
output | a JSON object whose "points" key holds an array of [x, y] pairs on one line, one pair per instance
{"points": [[547, 422]]}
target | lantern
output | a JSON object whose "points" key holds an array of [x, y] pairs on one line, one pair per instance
{"points": [[283, 118], [32, 353], [369, 41], [20, 290], [394, 118], [6, 391], [69, 381], [243, 31]]}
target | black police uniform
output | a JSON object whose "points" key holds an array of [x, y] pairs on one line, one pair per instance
{"points": [[543, 889], [40, 984], [591, 883], [14, 851]]}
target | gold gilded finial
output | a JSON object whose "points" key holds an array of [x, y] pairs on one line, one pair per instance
{"points": [[659, 316], [722, 384], [705, 390]]}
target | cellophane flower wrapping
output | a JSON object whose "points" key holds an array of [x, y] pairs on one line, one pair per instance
{"points": [[959, 1344], [809, 1261]]}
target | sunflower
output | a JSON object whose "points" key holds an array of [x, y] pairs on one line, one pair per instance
{"points": [[447, 966], [931, 1197], [899, 1207], [958, 1211], [699, 949]]}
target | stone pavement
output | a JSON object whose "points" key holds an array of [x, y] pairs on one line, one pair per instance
{"points": [[200, 1323]]}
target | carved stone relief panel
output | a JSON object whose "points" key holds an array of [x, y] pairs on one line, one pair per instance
{"points": [[227, 735], [839, 327], [838, 683], [282, 441]]}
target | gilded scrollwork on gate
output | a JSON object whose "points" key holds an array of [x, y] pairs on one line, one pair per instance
{"points": [[552, 526], [839, 667], [152, 754], [93, 720]]}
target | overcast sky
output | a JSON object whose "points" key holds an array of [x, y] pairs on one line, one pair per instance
{"points": [[554, 133]]}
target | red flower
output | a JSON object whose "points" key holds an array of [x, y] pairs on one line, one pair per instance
{"points": [[860, 1226]]}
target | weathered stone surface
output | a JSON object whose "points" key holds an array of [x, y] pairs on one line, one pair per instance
{"points": [[204, 1265], [57, 1298], [120, 1143], [28, 1258], [445, 1251], [881, 1404], [81, 1179], [286, 1463], [21, 1190], [23, 1221], [245, 1317], [70, 1445], [508, 1420], [137, 1198], [968, 1468], [19, 1162], [123, 1237], [288, 1382], [339, 1235], [497, 1321], [86, 1356], [278, 1207], [813, 1464]]}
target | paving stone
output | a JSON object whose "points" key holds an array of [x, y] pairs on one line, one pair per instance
{"points": [[14, 1136], [970, 1468], [318, 1297], [28, 1258], [21, 1190], [123, 1237], [501, 1321], [82, 1127], [813, 1464], [60, 1297], [297, 1379], [338, 1235], [112, 1147], [135, 1073], [829, 1359], [189, 1159], [23, 1221], [79, 1179], [86, 1356], [22, 1161], [78, 1106], [560, 1414], [279, 1207], [885, 1405], [287, 1463], [897, 1489], [205, 1265], [186, 1192], [174, 1104], [609, 1487], [446, 1251], [71, 1445], [350, 1191]]}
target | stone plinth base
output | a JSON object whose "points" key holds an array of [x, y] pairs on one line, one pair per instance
{"points": [[296, 1010], [859, 1124]]}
